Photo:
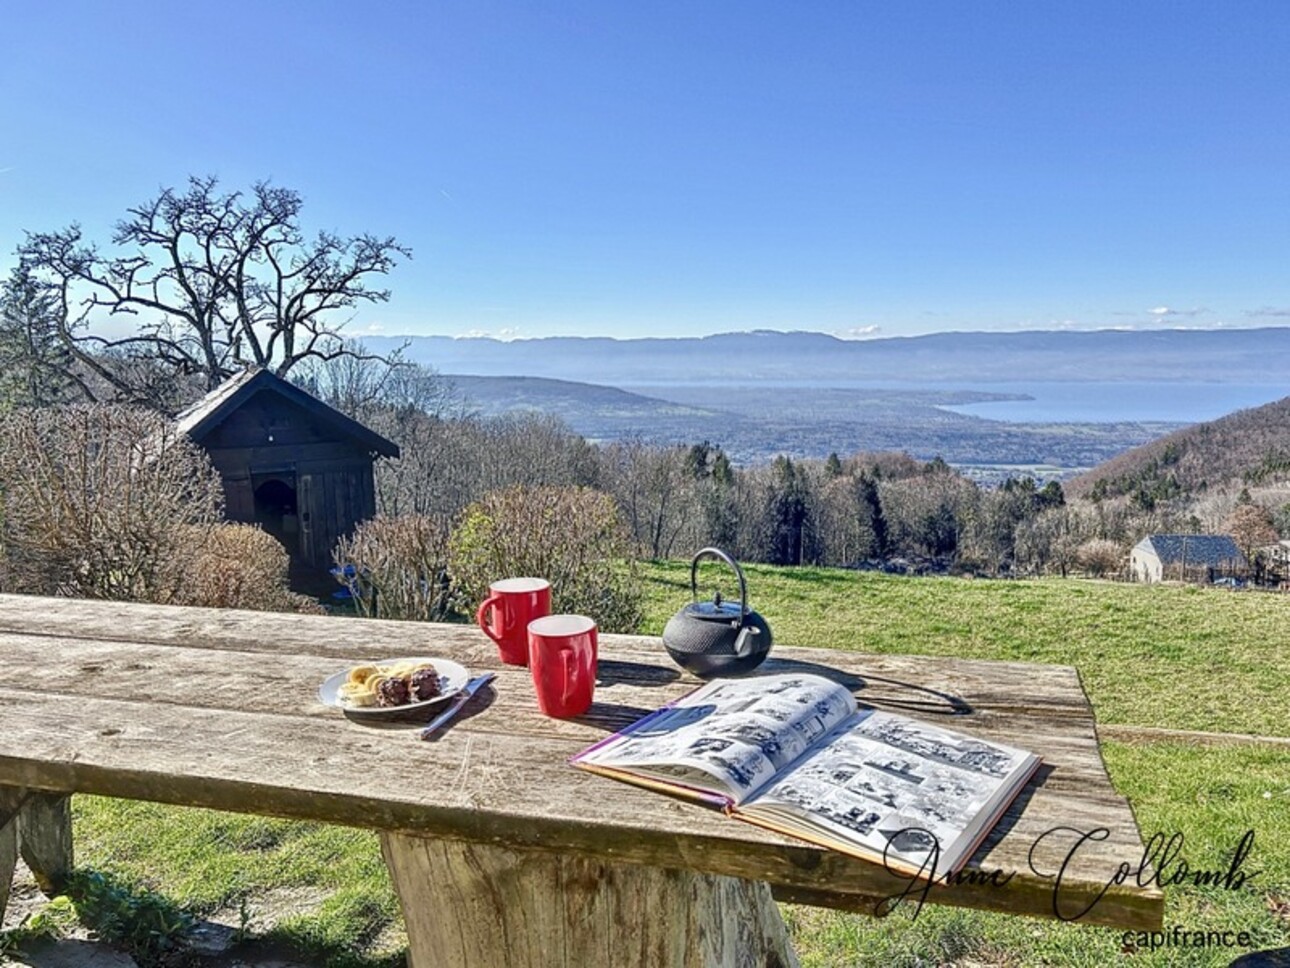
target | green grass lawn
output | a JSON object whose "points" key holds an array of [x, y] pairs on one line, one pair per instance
{"points": [[1183, 658], [1161, 656]]}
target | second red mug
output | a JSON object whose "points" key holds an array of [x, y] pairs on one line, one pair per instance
{"points": [[562, 658], [505, 615]]}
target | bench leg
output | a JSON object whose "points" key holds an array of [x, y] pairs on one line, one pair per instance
{"points": [[477, 905]]}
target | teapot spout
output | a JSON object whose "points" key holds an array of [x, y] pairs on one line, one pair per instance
{"points": [[744, 644]]}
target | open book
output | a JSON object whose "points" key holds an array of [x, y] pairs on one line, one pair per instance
{"points": [[797, 754]]}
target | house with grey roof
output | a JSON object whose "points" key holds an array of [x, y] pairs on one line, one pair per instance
{"points": [[1186, 557]]}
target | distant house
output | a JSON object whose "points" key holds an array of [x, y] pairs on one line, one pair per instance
{"points": [[1279, 552], [300, 469], [1274, 562], [1203, 557]]}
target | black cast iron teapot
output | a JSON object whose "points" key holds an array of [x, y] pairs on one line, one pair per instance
{"points": [[717, 638]]}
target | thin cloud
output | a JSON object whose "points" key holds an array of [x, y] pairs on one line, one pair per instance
{"points": [[504, 335], [1276, 311], [857, 332], [1163, 312]]}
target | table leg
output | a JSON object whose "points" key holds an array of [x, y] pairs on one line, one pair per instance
{"points": [[11, 799], [473, 904], [45, 839]]}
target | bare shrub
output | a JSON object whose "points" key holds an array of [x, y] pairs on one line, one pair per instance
{"points": [[449, 461], [233, 566], [95, 499], [1101, 557], [399, 567], [571, 536]]}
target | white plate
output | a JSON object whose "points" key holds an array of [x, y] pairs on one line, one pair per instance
{"points": [[452, 679]]}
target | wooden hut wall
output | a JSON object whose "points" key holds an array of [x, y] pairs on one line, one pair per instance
{"points": [[332, 499], [332, 476]]}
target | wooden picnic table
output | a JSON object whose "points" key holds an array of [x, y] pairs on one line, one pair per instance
{"points": [[501, 853]]}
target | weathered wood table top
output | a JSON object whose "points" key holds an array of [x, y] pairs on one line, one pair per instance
{"points": [[218, 709]]}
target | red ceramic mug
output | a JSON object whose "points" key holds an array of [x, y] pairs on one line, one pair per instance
{"points": [[562, 658], [505, 615]]}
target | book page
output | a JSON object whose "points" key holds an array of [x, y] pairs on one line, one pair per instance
{"points": [[892, 784], [740, 732]]}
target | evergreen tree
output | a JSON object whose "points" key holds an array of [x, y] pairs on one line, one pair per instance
{"points": [[869, 501], [1052, 495], [720, 516], [788, 515], [35, 365]]}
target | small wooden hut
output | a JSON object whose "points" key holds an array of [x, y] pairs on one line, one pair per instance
{"points": [[300, 469]]}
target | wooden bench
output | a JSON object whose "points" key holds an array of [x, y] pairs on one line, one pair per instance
{"points": [[501, 853]]}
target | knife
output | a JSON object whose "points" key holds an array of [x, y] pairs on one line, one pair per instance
{"points": [[459, 700]]}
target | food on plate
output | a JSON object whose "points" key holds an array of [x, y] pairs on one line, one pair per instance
{"points": [[356, 694], [424, 683], [390, 686], [360, 674], [393, 691]]}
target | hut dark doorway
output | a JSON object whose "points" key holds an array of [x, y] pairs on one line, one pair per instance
{"points": [[276, 510]]}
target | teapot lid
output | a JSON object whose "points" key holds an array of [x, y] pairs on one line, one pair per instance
{"points": [[717, 610]]}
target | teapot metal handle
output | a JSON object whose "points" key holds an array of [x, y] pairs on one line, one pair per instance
{"points": [[718, 553]]}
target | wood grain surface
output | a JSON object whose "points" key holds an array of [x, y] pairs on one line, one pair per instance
{"points": [[218, 708]]}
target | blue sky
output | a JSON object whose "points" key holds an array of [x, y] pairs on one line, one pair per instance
{"points": [[680, 168]]}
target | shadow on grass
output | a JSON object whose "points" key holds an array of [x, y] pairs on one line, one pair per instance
{"points": [[150, 927], [158, 933]]}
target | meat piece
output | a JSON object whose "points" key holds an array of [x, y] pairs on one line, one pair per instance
{"points": [[392, 692], [425, 683]]}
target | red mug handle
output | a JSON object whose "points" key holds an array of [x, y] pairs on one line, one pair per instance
{"points": [[492, 601]]}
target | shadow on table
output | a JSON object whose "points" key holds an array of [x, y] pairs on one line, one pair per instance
{"points": [[901, 695], [611, 672], [1015, 810], [611, 716], [1272, 958]]}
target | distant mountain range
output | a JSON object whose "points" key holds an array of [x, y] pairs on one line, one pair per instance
{"points": [[1249, 447], [1235, 356]]}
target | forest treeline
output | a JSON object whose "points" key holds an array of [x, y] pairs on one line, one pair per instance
{"points": [[1250, 448], [877, 510]]}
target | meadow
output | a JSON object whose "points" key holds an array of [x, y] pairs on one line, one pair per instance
{"points": [[1191, 660]]}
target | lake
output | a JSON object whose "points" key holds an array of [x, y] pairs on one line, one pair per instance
{"points": [[1111, 402]]}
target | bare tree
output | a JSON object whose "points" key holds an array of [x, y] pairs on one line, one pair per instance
{"points": [[850, 519], [657, 492], [366, 386], [1251, 527], [210, 281]]}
